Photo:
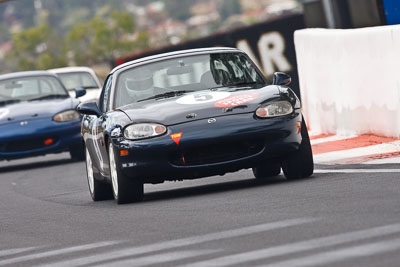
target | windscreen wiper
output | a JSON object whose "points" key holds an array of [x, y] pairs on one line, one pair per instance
{"points": [[48, 97], [217, 87], [167, 95], [243, 83], [9, 101], [234, 84]]}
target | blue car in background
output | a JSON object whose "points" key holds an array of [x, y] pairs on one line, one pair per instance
{"points": [[38, 116]]}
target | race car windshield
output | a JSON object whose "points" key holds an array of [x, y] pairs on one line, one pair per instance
{"points": [[29, 89], [216, 71], [74, 80]]}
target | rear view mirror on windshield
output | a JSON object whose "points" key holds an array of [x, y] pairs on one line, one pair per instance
{"points": [[179, 70], [13, 85]]}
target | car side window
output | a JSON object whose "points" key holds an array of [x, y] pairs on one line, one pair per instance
{"points": [[105, 94]]}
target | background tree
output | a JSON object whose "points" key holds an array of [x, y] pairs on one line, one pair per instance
{"points": [[25, 12], [178, 9], [37, 48], [103, 39], [5, 35], [229, 8]]}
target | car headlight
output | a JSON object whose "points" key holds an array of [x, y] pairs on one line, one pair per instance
{"points": [[143, 130], [69, 115], [275, 109]]}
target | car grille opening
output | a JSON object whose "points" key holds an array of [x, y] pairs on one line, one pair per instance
{"points": [[216, 153], [26, 144]]}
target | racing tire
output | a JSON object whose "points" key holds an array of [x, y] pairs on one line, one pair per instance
{"points": [[267, 170], [77, 152], [300, 164], [98, 190], [125, 190]]}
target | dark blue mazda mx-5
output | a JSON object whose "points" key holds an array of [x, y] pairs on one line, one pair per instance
{"points": [[37, 116], [191, 114]]}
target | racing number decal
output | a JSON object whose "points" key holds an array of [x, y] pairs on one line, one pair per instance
{"points": [[203, 97], [235, 100], [95, 136]]}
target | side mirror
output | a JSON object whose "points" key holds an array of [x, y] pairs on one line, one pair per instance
{"points": [[281, 78], [89, 108], [79, 92]]}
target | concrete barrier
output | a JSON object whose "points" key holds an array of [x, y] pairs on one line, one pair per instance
{"points": [[350, 80]]}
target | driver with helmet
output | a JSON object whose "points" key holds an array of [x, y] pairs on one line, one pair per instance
{"points": [[139, 85]]}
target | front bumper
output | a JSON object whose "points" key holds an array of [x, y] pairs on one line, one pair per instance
{"points": [[232, 143], [20, 141]]}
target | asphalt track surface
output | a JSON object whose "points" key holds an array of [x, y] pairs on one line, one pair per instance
{"points": [[346, 215]]}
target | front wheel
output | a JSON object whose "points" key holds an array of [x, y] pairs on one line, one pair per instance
{"points": [[266, 170], [300, 164], [125, 190], [98, 190]]}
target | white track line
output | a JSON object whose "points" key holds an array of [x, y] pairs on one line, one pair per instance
{"points": [[357, 171], [13, 251], [158, 258], [341, 254], [129, 252], [330, 139], [301, 246], [389, 147], [57, 252], [391, 160]]}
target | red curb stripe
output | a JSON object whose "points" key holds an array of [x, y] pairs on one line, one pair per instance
{"points": [[320, 136], [357, 160], [355, 142]]}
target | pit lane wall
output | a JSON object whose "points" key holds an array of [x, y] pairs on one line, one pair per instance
{"points": [[350, 80]]}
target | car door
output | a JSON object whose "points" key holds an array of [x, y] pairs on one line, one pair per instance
{"points": [[97, 125]]}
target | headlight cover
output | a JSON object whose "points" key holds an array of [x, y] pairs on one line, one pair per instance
{"points": [[69, 115], [144, 130], [275, 109]]}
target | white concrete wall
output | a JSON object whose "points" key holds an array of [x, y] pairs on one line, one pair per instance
{"points": [[350, 80]]}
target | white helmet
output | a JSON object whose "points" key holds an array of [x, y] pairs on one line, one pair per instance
{"points": [[140, 85]]}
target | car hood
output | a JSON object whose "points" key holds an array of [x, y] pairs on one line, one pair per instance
{"points": [[34, 110], [199, 105]]}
